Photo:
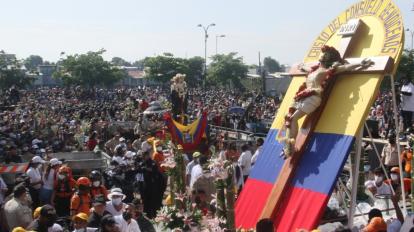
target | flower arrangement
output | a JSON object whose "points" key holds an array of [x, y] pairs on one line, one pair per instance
{"points": [[179, 217]]}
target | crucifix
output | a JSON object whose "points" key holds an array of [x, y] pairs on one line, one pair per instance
{"points": [[311, 99]]}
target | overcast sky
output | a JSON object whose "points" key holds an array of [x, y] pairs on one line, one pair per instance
{"points": [[133, 29]]}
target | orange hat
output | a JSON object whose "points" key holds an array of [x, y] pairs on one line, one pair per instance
{"points": [[83, 181], [395, 170], [81, 216], [376, 224]]}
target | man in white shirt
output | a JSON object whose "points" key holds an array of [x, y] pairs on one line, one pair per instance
{"points": [[245, 161], [259, 144], [125, 222], [407, 103], [377, 186], [190, 167]]}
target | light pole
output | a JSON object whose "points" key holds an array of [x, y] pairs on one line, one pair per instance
{"points": [[412, 37], [205, 49], [218, 36]]}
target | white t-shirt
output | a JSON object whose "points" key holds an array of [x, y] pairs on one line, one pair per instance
{"points": [[383, 189], [48, 182], [256, 154], [111, 209], [189, 167], [407, 102], [196, 172], [245, 162], [124, 226], [34, 175]]}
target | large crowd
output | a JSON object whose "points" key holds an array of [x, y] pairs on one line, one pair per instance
{"points": [[125, 196], [35, 124]]}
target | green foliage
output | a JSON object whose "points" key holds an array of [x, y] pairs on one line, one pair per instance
{"points": [[118, 61], [32, 62], [88, 70], [11, 72], [162, 68], [227, 70], [271, 65], [406, 66]]}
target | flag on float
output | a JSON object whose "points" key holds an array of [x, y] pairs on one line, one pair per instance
{"points": [[189, 136]]}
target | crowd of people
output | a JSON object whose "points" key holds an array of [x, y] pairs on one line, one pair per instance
{"points": [[50, 196], [40, 122]]}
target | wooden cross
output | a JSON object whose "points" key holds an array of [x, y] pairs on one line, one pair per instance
{"points": [[381, 64]]}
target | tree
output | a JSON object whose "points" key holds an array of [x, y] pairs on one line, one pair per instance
{"points": [[11, 72], [118, 61], [88, 70], [32, 62], [162, 68], [227, 70], [406, 66], [271, 65], [139, 64], [195, 71]]}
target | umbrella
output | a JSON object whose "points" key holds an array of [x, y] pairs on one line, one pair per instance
{"points": [[155, 110], [236, 110]]}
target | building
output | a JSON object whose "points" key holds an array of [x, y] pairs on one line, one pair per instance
{"points": [[135, 77], [44, 76]]}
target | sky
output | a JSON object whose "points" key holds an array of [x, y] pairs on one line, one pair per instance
{"points": [[134, 29]]}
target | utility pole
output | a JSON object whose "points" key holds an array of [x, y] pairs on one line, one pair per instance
{"points": [[262, 75]]}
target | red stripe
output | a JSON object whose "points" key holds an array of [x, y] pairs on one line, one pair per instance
{"points": [[3, 169], [250, 203], [294, 217], [14, 168]]}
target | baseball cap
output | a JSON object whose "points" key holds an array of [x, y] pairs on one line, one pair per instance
{"points": [[37, 159], [196, 154], [54, 162], [99, 200], [81, 216]]}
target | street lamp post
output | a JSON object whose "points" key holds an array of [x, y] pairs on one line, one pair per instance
{"points": [[205, 50], [412, 38], [218, 36]]}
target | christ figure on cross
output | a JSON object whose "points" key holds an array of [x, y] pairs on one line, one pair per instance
{"points": [[309, 96]]}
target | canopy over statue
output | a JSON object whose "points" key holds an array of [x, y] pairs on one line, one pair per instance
{"points": [[305, 181]]}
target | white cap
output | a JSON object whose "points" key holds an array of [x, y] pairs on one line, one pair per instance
{"points": [[35, 146], [37, 159], [43, 150], [55, 161], [121, 139], [36, 141]]}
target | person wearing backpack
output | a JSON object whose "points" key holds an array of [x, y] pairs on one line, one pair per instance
{"points": [[81, 200]]}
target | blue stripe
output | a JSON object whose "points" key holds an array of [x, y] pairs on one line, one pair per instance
{"points": [[323, 162], [269, 163]]}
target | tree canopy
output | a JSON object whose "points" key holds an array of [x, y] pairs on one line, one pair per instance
{"points": [[271, 65], [32, 62], [227, 70], [406, 66], [118, 61], [88, 70], [11, 72], [163, 67]]}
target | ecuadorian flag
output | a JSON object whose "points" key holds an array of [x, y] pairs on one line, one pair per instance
{"points": [[188, 136]]}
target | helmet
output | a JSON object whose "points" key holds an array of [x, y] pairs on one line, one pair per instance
{"points": [[95, 175], [64, 169], [83, 181]]}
